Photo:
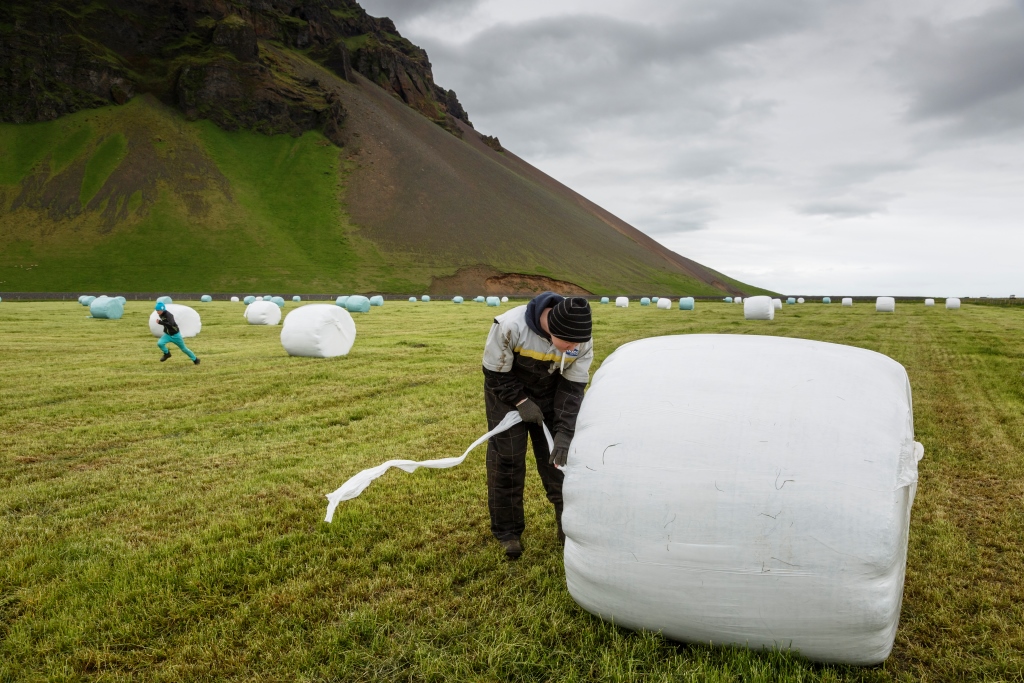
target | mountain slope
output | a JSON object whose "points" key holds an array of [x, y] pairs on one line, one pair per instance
{"points": [[360, 185]]}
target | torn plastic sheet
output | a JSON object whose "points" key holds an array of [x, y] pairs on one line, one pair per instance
{"points": [[358, 483]]}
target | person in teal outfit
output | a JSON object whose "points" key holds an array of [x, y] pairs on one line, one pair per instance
{"points": [[171, 334]]}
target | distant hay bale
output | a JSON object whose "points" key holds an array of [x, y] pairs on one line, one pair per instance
{"points": [[318, 331], [377, 300], [759, 308], [738, 300], [621, 302], [413, 299], [885, 304], [800, 300], [340, 301], [457, 299], [686, 303], [187, 319], [664, 303], [278, 301], [727, 299], [357, 304], [479, 299], [952, 303], [425, 298], [777, 304], [249, 299], [929, 302], [644, 301], [296, 298], [165, 300], [604, 299], [263, 313], [790, 301], [234, 299], [259, 298], [493, 301], [847, 301], [826, 300], [504, 299], [87, 300], [206, 298], [655, 299], [107, 308]]}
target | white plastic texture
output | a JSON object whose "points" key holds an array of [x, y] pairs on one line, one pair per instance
{"points": [[777, 304], [759, 308], [187, 319], [259, 298], [745, 489], [234, 299], [263, 313], [504, 299], [664, 303], [621, 302], [953, 303], [800, 300], [847, 300], [318, 331], [885, 304], [738, 300], [929, 302]]}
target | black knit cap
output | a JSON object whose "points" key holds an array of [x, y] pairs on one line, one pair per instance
{"points": [[569, 319]]}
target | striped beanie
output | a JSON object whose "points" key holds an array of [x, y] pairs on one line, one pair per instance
{"points": [[569, 319]]}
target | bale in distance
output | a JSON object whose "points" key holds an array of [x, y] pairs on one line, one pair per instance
{"points": [[777, 304], [654, 299], [249, 299], [738, 300], [296, 298], [279, 301], [645, 301], [826, 300], [263, 313], [357, 304], [885, 304], [929, 302], [621, 302], [800, 300], [377, 300], [234, 299], [759, 308], [504, 299], [81, 298], [479, 299], [457, 300], [493, 301], [604, 299], [413, 299], [727, 299], [790, 301], [952, 303], [664, 303], [686, 303], [425, 297], [122, 300], [206, 298], [187, 318], [165, 300], [847, 301], [107, 308], [88, 299], [259, 298], [318, 331]]}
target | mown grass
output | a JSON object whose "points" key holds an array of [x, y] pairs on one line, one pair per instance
{"points": [[164, 521]]}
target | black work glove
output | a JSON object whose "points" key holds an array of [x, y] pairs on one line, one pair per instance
{"points": [[560, 453], [530, 412]]}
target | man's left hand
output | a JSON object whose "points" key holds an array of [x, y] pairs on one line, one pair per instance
{"points": [[560, 453]]}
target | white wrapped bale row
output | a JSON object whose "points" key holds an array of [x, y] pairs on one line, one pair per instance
{"points": [[621, 302], [777, 304], [885, 304], [664, 303], [318, 331], [847, 301], [780, 520], [187, 318], [759, 308], [953, 303], [929, 302], [263, 313]]}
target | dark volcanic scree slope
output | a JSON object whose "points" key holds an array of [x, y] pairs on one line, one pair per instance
{"points": [[298, 146]]}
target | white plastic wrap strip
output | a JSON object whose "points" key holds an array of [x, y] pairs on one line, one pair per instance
{"points": [[358, 483]]}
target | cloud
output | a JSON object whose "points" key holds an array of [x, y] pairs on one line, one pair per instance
{"points": [[406, 10], [842, 209]]}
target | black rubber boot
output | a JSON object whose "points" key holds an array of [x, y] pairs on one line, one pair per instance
{"points": [[195, 362], [165, 357], [513, 548]]}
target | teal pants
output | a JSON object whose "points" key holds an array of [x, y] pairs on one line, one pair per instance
{"points": [[177, 341]]}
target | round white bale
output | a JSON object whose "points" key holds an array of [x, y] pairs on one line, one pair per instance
{"points": [[885, 304], [318, 331], [664, 303], [621, 302], [759, 308], [847, 300], [259, 298], [188, 321], [504, 299], [929, 302], [738, 300], [953, 303], [263, 313], [234, 299], [777, 304], [800, 300], [781, 518]]}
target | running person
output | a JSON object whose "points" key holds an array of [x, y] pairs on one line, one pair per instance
{"points": [[171, 334]]}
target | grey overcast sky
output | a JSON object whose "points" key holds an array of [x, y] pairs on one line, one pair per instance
{"points": [[819, 147]]}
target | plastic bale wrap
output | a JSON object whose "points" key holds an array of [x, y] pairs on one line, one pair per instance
{"points": [[318, 331], [277, 301], [263, 313], [377, 300], [206, 298], [826, 300], [234, 299], [644, 301], [791, 301], [424, 298], [727, 299], [107, 307], [123, 301], [847, 301], [738, 300], [664, 303], [686, 303], [259, 298], [87, 300], [953, 303], [759, 308], [249, 299], [479, 299], [357, 304], [604, 299], [187, 318], [165, 300], [929, 302], [621, 302], [297, 298], [504, 299], [655, 299], [493, 301], [777, 304], [457, 299], [800, 300], [780, 519], [885, 304], [81, 299], [413, 299]]}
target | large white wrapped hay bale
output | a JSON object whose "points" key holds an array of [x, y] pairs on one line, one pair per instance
{"points": [[664, 303], [885, 304], [621, 302], [759, 308], [953, 303], [777, 304], [847, 300], [686, 303], [318, 331], [357, 304], [206, 298], [187, 318], [929, 302], [746, 490], [263, 313], [234, 299], [107, 307]]}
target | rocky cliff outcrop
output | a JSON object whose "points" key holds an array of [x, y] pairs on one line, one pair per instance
{"points": [[210, 58]]}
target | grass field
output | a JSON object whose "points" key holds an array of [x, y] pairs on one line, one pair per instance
{"points": [[162, 521]]}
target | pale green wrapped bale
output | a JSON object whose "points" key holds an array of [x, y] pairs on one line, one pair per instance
{"points": [[457, 300], [493, 301], [107, 307], [655, 299], [340, 301], [249, 299], [377, 300], [645, 301], [87, 300], [357, 304], [479, 299], [206, 298], [165, 300], [728, 299], [604, 299], [424, 298], [790, 300], [297, 298], [413, 299], [278, 300], [686, 303], [827, 300]]}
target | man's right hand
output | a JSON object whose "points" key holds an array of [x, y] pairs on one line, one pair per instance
{"points": [[530, 412]]}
